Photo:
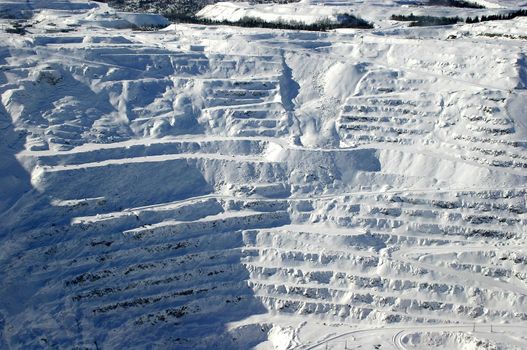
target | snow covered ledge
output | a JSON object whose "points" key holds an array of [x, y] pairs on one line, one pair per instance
{"points": [[104, 16]]}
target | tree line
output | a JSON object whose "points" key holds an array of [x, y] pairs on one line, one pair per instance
{"points": [[456, 3], [423, 21], [500, 17], [343, 21]]}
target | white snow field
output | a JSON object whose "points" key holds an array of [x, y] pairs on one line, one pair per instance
{"points": [[217, 187]]}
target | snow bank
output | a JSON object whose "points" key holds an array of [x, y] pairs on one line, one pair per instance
{"points": [[450, 340], [144, 19]]}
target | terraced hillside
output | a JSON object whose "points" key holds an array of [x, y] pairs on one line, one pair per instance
{"points": [[216, 187]]}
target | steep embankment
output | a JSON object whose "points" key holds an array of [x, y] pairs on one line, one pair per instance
{"points": [[202, 187]]}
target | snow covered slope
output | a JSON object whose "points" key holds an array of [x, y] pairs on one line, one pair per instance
{"points": [[228, 11], [207, 187]]}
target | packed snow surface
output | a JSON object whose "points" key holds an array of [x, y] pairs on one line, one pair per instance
{"points": [[216, 187]]}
